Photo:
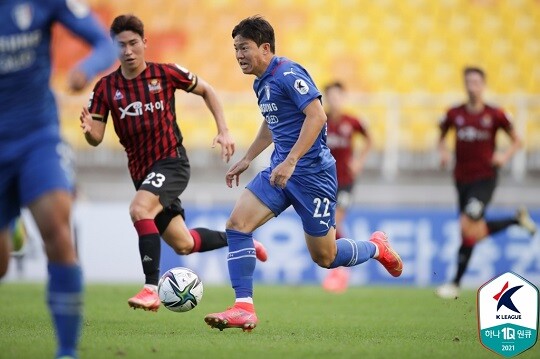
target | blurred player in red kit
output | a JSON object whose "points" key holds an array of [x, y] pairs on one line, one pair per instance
{"points": [[476, 165], [350, 158], [139, 95]]}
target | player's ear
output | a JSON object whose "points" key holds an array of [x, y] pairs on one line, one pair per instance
{"points": [[145, 40]]}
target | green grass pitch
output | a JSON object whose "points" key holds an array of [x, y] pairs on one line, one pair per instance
{"points": [[294, 322]]}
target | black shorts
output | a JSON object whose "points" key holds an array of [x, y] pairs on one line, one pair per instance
{"points": [[474, 197], [344, 195], [167, 179]]}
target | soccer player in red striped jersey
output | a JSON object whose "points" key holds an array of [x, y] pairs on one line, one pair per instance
{"points": [[350, 158], [476, 165], [139, 96]]}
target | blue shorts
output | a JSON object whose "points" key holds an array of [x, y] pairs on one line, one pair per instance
{"points": [[313, 196], [42, 167]]}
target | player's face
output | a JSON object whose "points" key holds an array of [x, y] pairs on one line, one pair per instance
{"points": [[130, 50], [334, 99], [250, 57], [474, 84]]}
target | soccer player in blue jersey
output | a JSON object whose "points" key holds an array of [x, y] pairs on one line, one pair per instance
{"points": [[302, 173], [35, 172]]}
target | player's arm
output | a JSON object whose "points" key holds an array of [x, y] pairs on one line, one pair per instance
{"points": [[259, 144], [211, 99], [311, 128], [78, 18], [502, 158], [444, 152], [361, 152]]}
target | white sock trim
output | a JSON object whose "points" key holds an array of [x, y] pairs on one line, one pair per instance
{"points": [[244, 300]]}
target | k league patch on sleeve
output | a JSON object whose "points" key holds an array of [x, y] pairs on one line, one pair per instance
{"points": [[301, 86]]}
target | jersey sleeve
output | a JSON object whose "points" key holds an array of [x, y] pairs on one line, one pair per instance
{"points": [[298, 85], [76, 16], [359, 126], [97, 104], [504, 120], [181, 77], [446, 122]]}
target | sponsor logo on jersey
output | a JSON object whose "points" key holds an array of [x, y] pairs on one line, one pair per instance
{"points": [[154, 86], [133, 109], [301, 86], [471, 134], [118, 95], [136, 108], [268, 107], [23, 15], [271, 119]]}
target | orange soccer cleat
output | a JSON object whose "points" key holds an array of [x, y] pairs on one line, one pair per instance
{"points": [[260, 251], [387, 256], [146, 299], [235, 317]]}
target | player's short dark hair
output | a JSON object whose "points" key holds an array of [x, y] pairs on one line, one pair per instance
{"points": [[256, 28], [336, 84], [127, 22], [474, 70]]}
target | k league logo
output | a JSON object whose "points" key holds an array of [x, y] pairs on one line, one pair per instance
{"points": [[508, 314]]}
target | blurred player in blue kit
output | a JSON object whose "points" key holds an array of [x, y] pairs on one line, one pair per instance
{"points": [[35, 172], [302, 173]]}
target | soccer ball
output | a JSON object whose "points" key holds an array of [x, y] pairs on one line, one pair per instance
{"points": [[180, 289]]}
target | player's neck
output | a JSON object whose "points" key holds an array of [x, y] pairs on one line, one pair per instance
{"points": [[131, 74], [475, 106], [334, 114]]}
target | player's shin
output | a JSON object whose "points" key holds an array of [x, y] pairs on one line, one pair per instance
{"points": [[241, 262], [350, 252], [149, 250], [207, 240]]}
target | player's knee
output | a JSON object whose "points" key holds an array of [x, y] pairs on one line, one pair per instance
{"points": [[138, 211], [323, 259], [237, 224], [474, 209], [182, 248]]}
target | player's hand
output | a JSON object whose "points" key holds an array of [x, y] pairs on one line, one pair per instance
{"points": [[235, 171], [355, 167], [77, 80], [444, 158], [498, 160], [86, 120], [227, 145], [281, 174]]}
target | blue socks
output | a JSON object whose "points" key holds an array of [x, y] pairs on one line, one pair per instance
{"points": [[241, 261], [64, 297], [350, 253]]}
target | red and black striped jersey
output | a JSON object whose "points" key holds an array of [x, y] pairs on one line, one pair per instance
{"points": [[143, 112]]}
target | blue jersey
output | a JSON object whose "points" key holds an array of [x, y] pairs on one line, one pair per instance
{"points": [[284, 91], [29, 113]]}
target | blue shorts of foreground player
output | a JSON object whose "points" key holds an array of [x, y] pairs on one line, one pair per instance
{"points": [[41, 168], [313, 196]]}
